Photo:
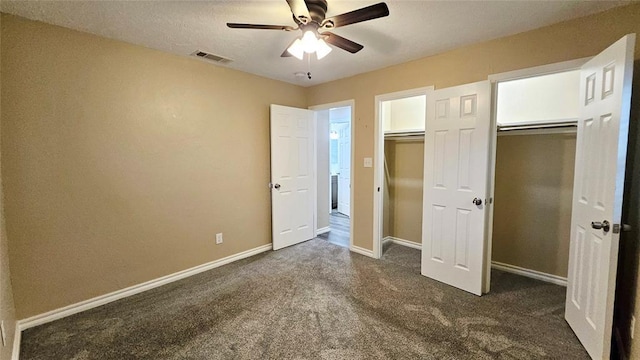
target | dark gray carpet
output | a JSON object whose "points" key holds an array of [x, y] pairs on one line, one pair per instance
{"points": [[317, 301]]}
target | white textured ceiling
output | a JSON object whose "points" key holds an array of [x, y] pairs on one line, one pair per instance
{"points": [[414, 29]]}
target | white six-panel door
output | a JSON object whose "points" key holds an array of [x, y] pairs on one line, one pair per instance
{"points": [[292, 175], [605, 95], [455, 173], [344, 177]]}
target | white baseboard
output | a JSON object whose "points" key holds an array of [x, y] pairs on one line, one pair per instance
{"points": [[135, 289], [15, 351], [554, 279], [362, 251], [323, 230], [403, 242]]}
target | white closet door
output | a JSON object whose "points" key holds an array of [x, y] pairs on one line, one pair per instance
{"points": [[601, 150], [455, 185]]}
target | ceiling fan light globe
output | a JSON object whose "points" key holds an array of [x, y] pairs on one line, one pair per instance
{"points": [[296, 49], [309, 42], [323, 49]]}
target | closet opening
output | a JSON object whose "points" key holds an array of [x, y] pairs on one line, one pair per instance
{"points": [[536, 114], [399, 159], [334, 172]]}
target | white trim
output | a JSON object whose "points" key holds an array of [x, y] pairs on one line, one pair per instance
{"points": [[491, 187], [539, 70], [17, 337], [135, 289], [538, 275], [323, 230], [361, 251], [378, 160], [403, 242], [332, 105], [315, 173], [351, 103]]}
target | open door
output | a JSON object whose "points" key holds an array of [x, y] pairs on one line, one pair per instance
{"points": [[601, 150], [456, 168], [344, 177], [292, 175]]}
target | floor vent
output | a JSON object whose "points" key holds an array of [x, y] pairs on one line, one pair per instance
{"points": [[211, 57]]}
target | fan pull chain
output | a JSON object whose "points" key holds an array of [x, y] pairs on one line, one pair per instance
{"points": [[309, 66]]}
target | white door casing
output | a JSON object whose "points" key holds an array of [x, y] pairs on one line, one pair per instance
{"points": [[344, 161], [456, 172], [601, 149], [292, 175]]}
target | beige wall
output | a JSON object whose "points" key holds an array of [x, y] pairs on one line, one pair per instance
{"points": [[113, 153], [533, 195], [534, 188], [120, 163], [387, 195], [403, 210], [565, 41], [7, 310], [569, 40]]}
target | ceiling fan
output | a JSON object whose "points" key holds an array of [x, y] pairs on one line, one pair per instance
{"points": [[309, 16]]}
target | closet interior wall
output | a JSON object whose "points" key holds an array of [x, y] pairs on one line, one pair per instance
{"points": [[402, 210], [533, 194]]}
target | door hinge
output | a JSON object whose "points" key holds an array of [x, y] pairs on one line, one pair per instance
{"points": [[378, 188], [617, 228], [270, 186]]}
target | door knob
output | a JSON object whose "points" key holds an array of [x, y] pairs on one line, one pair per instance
{"points": [[277, 186], [601, 225], [477, 201]]}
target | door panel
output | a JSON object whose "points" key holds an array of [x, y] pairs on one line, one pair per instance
{"points": [[456, 172], [344, 178], [292, 175], [605, 97]]}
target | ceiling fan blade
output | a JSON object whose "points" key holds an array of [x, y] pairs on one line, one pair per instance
{"points": [[286, 52], [342, 43], [366, 13], [299, 10], [260, 27]]}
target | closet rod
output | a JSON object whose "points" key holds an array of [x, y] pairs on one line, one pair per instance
{"points": [[557, 125], [407, 135]]}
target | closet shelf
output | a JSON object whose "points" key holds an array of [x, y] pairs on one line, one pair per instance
{"points": [[569, 126], [404, 135]]}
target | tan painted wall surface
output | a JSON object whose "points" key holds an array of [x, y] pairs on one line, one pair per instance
{"points": [[560, 42], [7, 309], [534, 189], [403, 211], [565, 41], [92, 187], [120, 163], [534, 186]]}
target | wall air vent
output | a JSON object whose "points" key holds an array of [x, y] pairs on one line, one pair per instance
{"points": [[211, 57]]}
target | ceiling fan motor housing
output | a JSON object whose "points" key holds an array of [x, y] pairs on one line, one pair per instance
{"points": [[317, 11]]}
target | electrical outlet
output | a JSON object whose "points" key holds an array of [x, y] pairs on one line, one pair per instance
{"points": [[4, 334], [632, 326], [218, 238]]}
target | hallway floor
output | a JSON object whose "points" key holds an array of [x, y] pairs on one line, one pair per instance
{"points": [[340, 226]]}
